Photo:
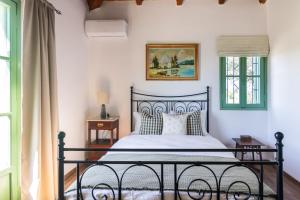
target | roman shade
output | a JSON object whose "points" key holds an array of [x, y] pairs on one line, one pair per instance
{"points": [[246, 45]]}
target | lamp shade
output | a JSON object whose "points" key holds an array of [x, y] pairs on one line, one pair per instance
{"points": [[103, 97]]}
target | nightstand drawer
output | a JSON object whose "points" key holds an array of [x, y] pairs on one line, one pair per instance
{"points": [[100, 125]]}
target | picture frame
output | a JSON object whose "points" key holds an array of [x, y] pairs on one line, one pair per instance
{"points": [[172, 62]]}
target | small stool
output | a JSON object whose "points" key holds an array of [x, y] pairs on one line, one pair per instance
{"points": [[253, 144]]}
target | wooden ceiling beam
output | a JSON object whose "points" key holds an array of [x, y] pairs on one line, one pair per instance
{"points": [[222, 1], [179, 2], [262, 1], [139, 2], [93, 4]]}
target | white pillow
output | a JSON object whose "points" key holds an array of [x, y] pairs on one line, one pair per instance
{"points": [[203, 119], [137, 122], [174, 124]]}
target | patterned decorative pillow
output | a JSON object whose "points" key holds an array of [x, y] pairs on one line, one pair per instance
{"points": [[151, 124], [194, 124], [174, 124]]}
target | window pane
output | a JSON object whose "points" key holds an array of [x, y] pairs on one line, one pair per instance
{"points": [[253, 66], [4, 30], [253, 80], [4, 143], [4, 87], [253, 90], [232, 66], [232, 80], [232, 90]]}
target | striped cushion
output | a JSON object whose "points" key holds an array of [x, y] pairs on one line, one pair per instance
{"points": [[151, 124], [194, 126]]}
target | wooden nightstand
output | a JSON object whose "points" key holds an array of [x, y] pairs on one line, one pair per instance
{"points": [[110, 124], [253, 144]]}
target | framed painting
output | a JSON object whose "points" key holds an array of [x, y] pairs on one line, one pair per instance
{"points": [[172, 62]]}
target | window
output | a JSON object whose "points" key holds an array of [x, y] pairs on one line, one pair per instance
{"points": [[9, 100], [243, 83]]}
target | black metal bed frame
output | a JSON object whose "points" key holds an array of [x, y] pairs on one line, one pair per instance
{"points": [[184, 103]]}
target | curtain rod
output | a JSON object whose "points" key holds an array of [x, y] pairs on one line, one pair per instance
{"points": [[57, 11], [51, 6]]}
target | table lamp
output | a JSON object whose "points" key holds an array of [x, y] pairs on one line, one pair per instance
{"points": [[103, 99]]}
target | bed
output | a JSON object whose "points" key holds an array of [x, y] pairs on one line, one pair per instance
{"points": [[170, 166]]}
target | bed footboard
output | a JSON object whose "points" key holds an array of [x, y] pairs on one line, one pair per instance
{"points": [[216, 188]]}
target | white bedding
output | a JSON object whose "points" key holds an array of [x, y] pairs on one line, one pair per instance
{"points": [[173, 142], [159, 142]]}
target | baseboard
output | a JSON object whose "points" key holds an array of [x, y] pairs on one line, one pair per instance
{"points": [[71, 173], [285, 174], [291, 178]]}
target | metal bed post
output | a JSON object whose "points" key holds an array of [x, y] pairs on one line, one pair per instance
{"points": [[261, 182], [279, 137], [162, 181], [131, 108], [207, 109], [61, 158], [175, 182]]}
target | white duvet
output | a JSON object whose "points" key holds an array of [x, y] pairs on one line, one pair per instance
{"points": [[173, 142], [160, 142]]}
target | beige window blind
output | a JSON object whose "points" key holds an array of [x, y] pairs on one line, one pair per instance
{"points": [[250, 45]]}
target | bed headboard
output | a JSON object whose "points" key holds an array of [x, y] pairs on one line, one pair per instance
{"points": [[152, 104]]}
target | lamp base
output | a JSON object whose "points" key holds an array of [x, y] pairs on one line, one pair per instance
{"points": [[103, 112]]}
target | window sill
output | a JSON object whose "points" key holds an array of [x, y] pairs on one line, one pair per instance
{"points": [[245, 109]]}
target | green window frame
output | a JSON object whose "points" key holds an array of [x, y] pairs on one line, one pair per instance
{"points": [[9, 176], [243, 83]]}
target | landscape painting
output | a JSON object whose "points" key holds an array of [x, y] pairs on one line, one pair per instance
{"points": [[172, 61]]}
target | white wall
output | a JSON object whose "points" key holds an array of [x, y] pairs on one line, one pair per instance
{"points": [[87, 65], [284, 32], [117, 64], [72, 72]]}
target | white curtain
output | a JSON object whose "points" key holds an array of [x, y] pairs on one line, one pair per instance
{"points": [[243, 45], [39, 102]]}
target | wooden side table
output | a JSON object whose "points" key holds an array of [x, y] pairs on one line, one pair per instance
{"points": [[253, 144], [110, 124]]}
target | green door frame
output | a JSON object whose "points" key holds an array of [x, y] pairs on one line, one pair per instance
{"points": [[15, 87]]}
